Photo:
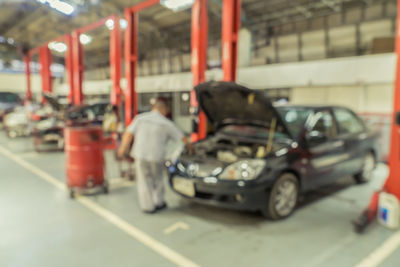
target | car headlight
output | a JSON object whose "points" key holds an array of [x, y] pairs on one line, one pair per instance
{"points": [[243, 170]]}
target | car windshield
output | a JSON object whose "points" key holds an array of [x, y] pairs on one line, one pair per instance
{"points": [[294, 117], [250, 131], [9, 98]]}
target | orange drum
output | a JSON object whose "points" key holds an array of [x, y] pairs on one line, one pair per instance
{"points": [[84, 158]]}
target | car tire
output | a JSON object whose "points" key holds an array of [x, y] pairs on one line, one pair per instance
{"points": [[286, 182], [367, 168]]}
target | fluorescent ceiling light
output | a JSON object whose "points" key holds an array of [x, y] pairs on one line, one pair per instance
{"points": [[58, 46], [123, 23], [177, 5], [85, 39], [59, 5], [110, 24]]}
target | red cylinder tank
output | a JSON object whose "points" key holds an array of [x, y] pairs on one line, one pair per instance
{"points": [[84, 156]]}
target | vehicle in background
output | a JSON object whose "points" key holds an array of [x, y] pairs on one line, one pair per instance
{"points": [[8, 101], [21, 120], [48, 134], [262, 157]]}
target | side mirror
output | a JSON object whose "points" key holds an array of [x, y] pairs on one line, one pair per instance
{"points": [[316, 138]]}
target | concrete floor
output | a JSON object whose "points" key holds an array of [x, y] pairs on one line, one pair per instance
{"points": [[41, 226]]}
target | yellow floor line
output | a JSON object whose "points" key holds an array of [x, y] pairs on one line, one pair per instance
{"points": [[123, 225]]}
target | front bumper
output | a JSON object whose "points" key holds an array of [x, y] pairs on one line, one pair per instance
{"points": [[239, 195]]}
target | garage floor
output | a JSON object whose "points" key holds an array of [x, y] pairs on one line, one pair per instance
{"points": [[40, 226]]}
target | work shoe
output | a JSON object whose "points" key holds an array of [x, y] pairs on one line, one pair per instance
{"points": [[162, 206], [150, 211]]}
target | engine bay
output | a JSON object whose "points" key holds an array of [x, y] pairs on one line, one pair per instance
{"points": [[228, 150]]}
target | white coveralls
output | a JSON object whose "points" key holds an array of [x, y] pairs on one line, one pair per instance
{"points": [[151, 131]]}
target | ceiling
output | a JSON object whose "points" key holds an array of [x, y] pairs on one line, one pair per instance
{"points": [[30, 24]]}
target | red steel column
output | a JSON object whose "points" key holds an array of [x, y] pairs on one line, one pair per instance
{"points": [[199, 62], [115, 62], [230, 36], [68, 67], [131, 48], [78, 68], [45, 61], [27, 60], [393, 182]]}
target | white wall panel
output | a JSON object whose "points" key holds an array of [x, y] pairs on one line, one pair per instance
{"points": [[342, 40], [288, 48], [371, 69], [313, 45], [372, 30]]}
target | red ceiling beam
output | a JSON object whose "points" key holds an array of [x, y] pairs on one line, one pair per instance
{"points": [[393, 182], [131, 55], [143, 5], [94, 25], [115, 62], [199, 42], [230, 36]]}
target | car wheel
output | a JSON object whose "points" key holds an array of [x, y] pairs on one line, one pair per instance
{"points": [[367, 169], [283, 197]]}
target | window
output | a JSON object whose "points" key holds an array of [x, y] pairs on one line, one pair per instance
{"points": [[277, 94], [9, 98], [324, 124], [294, 118], [348, 122]]}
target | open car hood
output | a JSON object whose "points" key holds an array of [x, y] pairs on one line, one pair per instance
{"points": [[53, 101], [229, 103]]}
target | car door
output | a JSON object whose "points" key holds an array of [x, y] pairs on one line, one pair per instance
{"points": [[353, 133], [326, 152]]}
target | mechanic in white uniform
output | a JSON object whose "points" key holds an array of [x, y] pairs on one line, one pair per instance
{"points": [[151, 131]]}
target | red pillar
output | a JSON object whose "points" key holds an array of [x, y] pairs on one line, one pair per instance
{"points": [[131, 48], [115, 62], [393, 182], [78, 68], [27, 60], [199, 62], [230, 36], [45, 61], [68, 67]]}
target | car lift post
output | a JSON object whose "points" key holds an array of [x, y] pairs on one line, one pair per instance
{"points": [[392, 183], [28, 72], [131, 48], [68, 67], [77, 68], [45, 61], [115, 62], [27, 60], [131, 56], [230, 36], [199, 43]]}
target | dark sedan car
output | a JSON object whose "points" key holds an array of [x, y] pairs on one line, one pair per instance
{"points": [[262, 157]]}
